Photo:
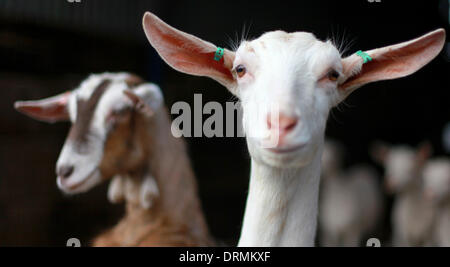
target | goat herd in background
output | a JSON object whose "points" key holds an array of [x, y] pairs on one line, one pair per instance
{"points": [[121, 130], [352, 201]]}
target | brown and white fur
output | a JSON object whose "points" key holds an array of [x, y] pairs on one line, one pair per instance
{"points": [[121, 129], [287, 83], [300, 78]]}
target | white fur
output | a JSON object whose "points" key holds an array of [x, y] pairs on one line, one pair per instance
{"points": [[412, 214], [287, 72], [284, 69], [436, 177]]}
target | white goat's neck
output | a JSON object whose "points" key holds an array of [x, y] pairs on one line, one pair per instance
{"points": [[282, 205]]}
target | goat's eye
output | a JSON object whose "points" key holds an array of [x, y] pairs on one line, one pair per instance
{"points": [[240, 70], [333, 75]]}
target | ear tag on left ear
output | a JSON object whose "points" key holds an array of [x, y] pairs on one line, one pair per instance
{"points": [[364, 56], [219, 54]]}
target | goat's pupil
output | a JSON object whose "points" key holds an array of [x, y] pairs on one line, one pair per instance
{"points": [[240, 70], [333, 75]]}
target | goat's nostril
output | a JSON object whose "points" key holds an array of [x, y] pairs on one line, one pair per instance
{"points": [[283, 122], [65, 171], [288, 124]]}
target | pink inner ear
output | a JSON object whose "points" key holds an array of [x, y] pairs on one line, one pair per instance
{"points": [[187, 53], [50, 110], [395, 61]]}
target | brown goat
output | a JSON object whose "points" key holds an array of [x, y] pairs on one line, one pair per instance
{"points": [[122, 129]]}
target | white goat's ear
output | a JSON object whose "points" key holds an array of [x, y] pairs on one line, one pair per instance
{"points": [[187, 53], [51, 109], [391, 62], [147, 98]]}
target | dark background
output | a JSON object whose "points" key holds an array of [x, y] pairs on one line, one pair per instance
{"points": [[49, 46]]}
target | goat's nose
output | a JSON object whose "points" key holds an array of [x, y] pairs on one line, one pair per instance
{"points": [[65, 171], [283, 122]]}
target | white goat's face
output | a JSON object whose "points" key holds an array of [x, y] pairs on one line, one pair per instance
{"points": [[436, 175], [401, 169], [102, 139], [287, 83], [295, 74], [402, 164], [332, 158]]}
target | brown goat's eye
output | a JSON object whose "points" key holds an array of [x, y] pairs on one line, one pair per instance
{"points": [[333, 75], [240, 70]]}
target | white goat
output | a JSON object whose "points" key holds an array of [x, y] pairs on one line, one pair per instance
{"points": [[121, 128], [436, 175], [298, 78], [412, 215], [351, 202]]}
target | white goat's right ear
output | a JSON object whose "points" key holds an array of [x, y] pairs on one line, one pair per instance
{"points": [[187, 53], [51, 109], [391, 62]]}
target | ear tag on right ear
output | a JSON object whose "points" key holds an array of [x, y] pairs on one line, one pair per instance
{"points": [[364, 56], [219, 54]]}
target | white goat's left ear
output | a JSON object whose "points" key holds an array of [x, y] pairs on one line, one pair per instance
{"points": [[391, 62], [147, 98]]}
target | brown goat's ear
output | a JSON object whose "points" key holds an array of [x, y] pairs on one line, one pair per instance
{"points": [[51, 109], [391, 62], [139, 104], [187, 53]]}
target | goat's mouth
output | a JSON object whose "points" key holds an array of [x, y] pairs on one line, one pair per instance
{"points": [[79, 186], [286, 150]]}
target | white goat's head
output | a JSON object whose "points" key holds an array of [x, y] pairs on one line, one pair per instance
{"points": [[403, 164], [105, 111], [332, 158], [287, 82], [436, 175]]}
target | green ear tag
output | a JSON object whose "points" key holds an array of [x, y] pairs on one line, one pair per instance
{"points": [[364, 56], [219, 54]]}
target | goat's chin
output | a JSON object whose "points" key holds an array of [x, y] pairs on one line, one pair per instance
{"points": [[295, 158], [76, 185]]}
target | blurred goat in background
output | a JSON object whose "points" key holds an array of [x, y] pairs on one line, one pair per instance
{"points": [[121, 129], [351, 201], [412, 215], [436, 175]]}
